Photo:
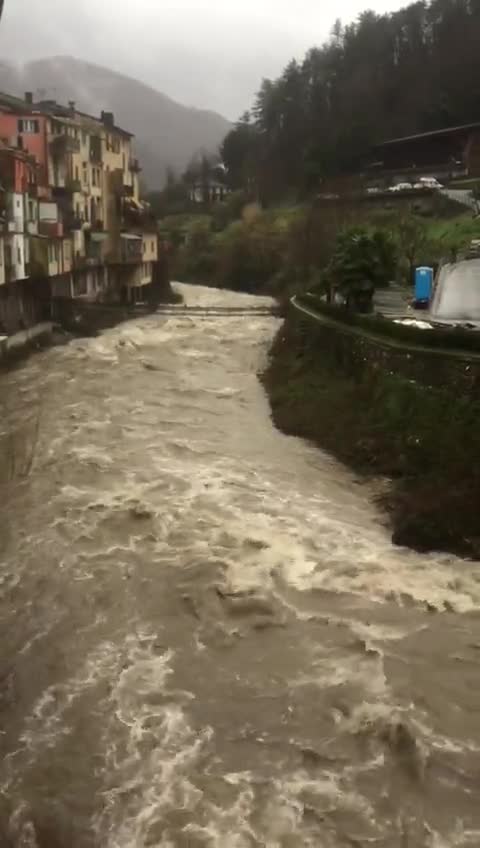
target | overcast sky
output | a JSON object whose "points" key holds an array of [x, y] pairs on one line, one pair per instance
{"points": [[206, 53]]}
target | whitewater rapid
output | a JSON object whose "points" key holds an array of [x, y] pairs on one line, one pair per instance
{"points": [[208, 638]]}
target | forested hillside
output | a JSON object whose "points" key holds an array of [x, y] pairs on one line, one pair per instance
{"points": [[385, 75]]}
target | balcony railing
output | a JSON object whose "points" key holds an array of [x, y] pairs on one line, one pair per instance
{"points": [[134, 165], [72, 222], [71, 186], [52, 229], [63, 144], [139, 220], [90, 260], [131, 248]]}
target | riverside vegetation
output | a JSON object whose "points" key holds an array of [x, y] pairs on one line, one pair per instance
{"points": [[275, 236], [416, 424]]}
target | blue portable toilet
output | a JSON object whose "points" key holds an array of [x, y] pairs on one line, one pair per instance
{"points": [[423, 286]]}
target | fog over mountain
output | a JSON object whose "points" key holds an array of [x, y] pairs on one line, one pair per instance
{"points": [[203, 53], [167, 133]]}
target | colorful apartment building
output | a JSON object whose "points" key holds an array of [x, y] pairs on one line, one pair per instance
{"points": [[70, 207]]}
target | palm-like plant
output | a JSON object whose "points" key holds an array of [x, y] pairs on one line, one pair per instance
{"points": [[361, 262]]}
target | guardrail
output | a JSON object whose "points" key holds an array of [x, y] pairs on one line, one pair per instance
{"points": [[455, 342]]}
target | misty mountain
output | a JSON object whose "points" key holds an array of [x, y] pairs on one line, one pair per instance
{"points": [[167, 133]]}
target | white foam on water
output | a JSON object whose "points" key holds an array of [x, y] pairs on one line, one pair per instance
{"points": [[330, 671], [180, 466], [151, 749]]}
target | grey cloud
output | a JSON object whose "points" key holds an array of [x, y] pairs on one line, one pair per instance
{"points": [[203, 53]]}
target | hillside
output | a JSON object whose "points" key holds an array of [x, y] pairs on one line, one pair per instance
{"points": [[167, 132]]}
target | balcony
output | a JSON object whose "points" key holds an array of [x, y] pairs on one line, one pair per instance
{"points": [[61, 145], [134, 165], [94, 256], [131, 248], [71, 186], [52, 229], [72, 222], [139, 220], [88, 261]]}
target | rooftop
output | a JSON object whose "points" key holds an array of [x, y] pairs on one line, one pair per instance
{"points": [[432, 134], [52, 108]]}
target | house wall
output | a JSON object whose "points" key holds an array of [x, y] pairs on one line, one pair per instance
{"points": [[19, 256], [150, 247], [472, 155], [2, 262], [34, 143], [16, 212]]}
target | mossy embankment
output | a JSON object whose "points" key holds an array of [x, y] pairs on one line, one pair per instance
{"points": [[412, 417]]}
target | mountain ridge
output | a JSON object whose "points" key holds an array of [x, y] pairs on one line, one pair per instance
{"points": [[167, 133]]}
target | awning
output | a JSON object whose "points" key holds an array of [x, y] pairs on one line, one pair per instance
{"points": [[98, 236], [130, 237]]}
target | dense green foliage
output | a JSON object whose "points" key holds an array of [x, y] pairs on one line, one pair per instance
{"points": [[371, 412], [383, 76], [299, 248], [361, 261]]}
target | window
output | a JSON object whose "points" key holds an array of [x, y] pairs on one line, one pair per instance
{"points": [[153, 247], [84, 137], [19, 255], [27, 125], [52, 252], [85, 173], [80, 285], [31, 210], [77, 173], [94, 176]]}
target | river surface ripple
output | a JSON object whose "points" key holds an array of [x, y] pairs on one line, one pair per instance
{"points": [[207, 636]]}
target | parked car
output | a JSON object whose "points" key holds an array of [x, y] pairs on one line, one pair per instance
{"points": [[401, 187], [428, 183], [374, 190]]}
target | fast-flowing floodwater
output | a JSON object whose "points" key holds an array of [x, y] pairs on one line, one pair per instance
{"points": [[207, 638]]}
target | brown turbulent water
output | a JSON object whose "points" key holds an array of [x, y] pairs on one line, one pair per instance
{"points": [[207, 636]]}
